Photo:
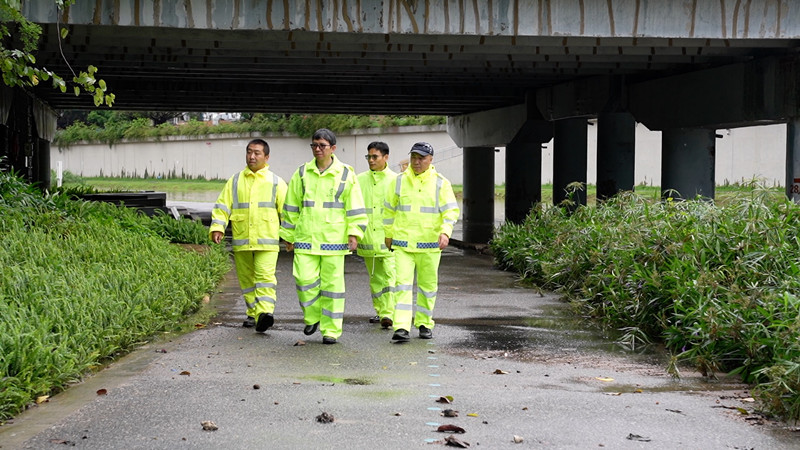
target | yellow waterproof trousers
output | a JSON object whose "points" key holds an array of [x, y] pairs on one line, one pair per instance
{"points": [[381, 284], [320, 290], [426, 265], [256, 273]]}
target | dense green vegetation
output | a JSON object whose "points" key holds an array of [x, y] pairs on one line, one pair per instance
{"points": [[113, 126], [717, 285], [83, 281]]}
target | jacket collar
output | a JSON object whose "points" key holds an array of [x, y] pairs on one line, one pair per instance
{"points": [[262, 172], [335, 166]]}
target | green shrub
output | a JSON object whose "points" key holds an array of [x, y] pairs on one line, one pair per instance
{"points": [[717, 284], [83, 281]]}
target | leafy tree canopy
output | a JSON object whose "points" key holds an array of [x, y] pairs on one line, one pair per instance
{"points": [[19, 39]]}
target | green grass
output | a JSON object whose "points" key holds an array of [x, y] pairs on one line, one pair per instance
{"points": [[84, 281], [150, 184], [716, 282]]}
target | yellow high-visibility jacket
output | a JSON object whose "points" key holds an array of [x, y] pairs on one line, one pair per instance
{"points": [[253, 203], [374, 185], [418, 209], [323, 209]]}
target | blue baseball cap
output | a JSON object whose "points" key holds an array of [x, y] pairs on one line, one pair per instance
{"points": [[422, 148]]}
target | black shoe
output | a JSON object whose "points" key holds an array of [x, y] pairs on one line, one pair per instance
{"points": [[310, 329], [249, 322], [386, 323], [375, 319], [327, 340], [425, 332], [265, 320], [400, 336]]}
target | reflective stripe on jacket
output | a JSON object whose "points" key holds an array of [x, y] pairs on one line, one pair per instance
{"points": [[323, 209], [252, 202], [418, 209], [374, 185]]}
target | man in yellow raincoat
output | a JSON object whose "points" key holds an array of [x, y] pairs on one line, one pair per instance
{"points": [[252, 201], [419, 216], [323, 219], [377, 257]]}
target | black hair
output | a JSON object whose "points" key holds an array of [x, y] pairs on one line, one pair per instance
{"points": [[380, 146], [259, 142]]}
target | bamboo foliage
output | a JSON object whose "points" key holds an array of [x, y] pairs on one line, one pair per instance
{"points": [[718, 285]]}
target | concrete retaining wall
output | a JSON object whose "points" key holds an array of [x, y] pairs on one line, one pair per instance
{"points": [[742, 154]]}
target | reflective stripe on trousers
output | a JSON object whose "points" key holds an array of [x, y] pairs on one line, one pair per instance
{"points": [[426, 265], [381, 284], [256, 273], [320, 290]]}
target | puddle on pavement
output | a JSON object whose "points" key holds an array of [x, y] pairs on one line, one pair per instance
{"points": [[556, 333], [338, 380]]}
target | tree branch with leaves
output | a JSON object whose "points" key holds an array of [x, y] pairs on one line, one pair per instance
{"points": [[19, 40]]}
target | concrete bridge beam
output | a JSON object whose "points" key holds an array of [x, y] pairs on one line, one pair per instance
{"points": [[616, 139], [492, 128], [478, 200], [570, 160], [687, 163]]}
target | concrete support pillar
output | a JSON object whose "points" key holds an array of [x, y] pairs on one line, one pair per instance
{"points": [[41, 163], [687, 163], [793, 159], [616, 139], [478, 200], [569, 159], [523, 179]]}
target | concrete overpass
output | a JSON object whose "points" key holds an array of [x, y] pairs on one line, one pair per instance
{"points": [[511, 73]]}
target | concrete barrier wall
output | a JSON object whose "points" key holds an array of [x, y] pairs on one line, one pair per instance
{"points": [[742, 154]]}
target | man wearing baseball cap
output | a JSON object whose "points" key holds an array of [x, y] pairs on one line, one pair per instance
{"points": [[418, 220]]}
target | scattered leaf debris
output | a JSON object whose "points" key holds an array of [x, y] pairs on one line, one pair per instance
{"points": [[455, 442], [445, 399], [209, 425], [472, 414], [636, 437], [102, 391], [500, 372], [256, 386], [325, 418], [185, 372], [605, 379], [449, 413], [299, 343], [42, 399], [161, 350], [450, 428], [517, 439]]}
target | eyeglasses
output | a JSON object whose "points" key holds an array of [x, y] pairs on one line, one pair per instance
{"points": [[371, 157], [319, 146]]}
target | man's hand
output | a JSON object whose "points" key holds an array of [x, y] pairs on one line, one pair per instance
{"points": [[289, 246], [352, 243], [216, 237], [388, 242], [444, 241]]}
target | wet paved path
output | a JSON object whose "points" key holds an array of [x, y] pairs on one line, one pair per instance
{"points": [[512, 360]]}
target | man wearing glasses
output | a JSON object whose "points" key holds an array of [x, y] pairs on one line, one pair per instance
{"points": [[377, 257], [420, 212], [323, 219]]}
